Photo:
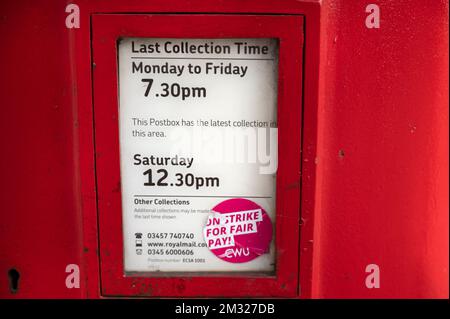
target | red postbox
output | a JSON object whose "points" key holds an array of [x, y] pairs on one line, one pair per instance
{"points": [[105, 180]]}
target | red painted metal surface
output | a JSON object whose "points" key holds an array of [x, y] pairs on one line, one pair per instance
{"points": [[374, 152]]}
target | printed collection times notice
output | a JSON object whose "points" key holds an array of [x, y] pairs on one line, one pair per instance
{"points": [[198, 152]]}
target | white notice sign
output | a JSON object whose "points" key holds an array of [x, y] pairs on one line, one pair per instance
{"points": [[198, 151]]}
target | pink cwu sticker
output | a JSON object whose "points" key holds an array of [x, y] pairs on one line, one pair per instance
{"points": [[238, 230]]}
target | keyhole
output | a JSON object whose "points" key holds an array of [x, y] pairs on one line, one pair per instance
{"points": [[14, 277]]}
